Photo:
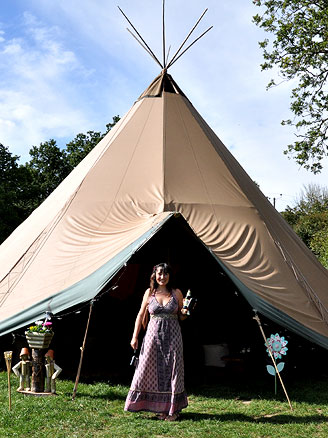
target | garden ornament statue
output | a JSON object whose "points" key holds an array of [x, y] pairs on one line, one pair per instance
{"points": [[52, 372], [23, 370]]}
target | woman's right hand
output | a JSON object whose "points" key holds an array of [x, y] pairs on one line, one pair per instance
{"points": [[134, 343]]}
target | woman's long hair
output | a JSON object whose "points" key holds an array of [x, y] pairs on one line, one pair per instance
{"points": [[153, 285]]}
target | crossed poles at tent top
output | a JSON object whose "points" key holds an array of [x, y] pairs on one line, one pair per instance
{"points": [[165, 64]]}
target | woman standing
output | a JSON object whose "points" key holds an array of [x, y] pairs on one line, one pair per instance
{"points": [[158, 382]]}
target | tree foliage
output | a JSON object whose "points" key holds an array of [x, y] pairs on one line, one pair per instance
{"points": [[309, 219], [15, 192], [23, 187], [48, 167], [82, 144], [300, 51]]}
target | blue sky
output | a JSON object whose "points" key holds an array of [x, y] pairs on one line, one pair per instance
{"points": [[69, 66]]}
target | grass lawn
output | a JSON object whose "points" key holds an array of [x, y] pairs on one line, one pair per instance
{"points": [[227, 411]]}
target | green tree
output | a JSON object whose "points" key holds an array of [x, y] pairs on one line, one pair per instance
{"points": [[299, 48], [25, 187], [309, 219], [15, 193], [48, 167], [82, 144], [49, 164], [78, 148]]}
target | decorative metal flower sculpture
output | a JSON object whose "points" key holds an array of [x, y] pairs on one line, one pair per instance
{"points": [[277, 346]]}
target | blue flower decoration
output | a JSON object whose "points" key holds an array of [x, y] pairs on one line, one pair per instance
{"points": [[277, 346]]}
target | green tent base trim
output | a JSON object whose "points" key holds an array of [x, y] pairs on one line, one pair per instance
{"points": [[92, 285], [81, 291], [272, 313]]}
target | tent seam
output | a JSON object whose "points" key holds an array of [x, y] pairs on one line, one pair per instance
{"points": [[196, 162], [56, 220], [164, 150], [115, 197]]}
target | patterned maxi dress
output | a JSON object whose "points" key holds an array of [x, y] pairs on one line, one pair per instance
{"points": [[158, 382]]}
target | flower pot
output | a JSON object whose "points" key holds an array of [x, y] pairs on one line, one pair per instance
{"points": [[38, 340]]}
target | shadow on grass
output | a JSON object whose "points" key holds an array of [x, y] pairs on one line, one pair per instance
{"points": [[312, 392], [110, 395], [277, 419]]}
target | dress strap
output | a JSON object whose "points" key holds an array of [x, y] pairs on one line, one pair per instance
{"points": [[150, 296]]}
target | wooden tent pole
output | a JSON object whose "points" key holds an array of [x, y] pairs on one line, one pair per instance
{"points": [[167, 56], [164, 48], [133, 27], [190, 45], [257, 319], [141, 44], [186, 39], [82, 351]]}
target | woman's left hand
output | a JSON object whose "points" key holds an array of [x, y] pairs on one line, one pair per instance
{"points": [[134, 343]]}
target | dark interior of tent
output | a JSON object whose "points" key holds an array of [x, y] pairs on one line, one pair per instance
{"points": [[221, 339]]}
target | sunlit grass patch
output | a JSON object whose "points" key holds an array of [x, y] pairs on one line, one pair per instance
{"points": [[223, 411]]}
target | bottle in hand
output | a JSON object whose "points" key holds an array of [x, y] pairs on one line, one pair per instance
{"points": [[189, 302]]}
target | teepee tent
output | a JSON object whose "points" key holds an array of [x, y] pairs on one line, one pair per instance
{"points": [[160, 159]]}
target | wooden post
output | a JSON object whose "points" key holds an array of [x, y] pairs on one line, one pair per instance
{"points": [[82, 352], [37, 370], [8, 357]]}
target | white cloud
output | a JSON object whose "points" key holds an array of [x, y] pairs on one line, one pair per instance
{"points": [[37, 97]]}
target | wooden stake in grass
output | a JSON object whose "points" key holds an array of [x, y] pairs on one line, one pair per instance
{"points": [[8, 357], [257, 319], [82, 352]]}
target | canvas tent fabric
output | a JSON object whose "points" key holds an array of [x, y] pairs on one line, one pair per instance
{"points": [[160, 159]]}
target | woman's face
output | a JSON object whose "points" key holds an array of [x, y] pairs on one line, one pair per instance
{"points": [[162, 278]]}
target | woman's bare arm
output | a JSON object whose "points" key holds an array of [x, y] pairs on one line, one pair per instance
{"points": [[181, 312], [139, 319]]}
